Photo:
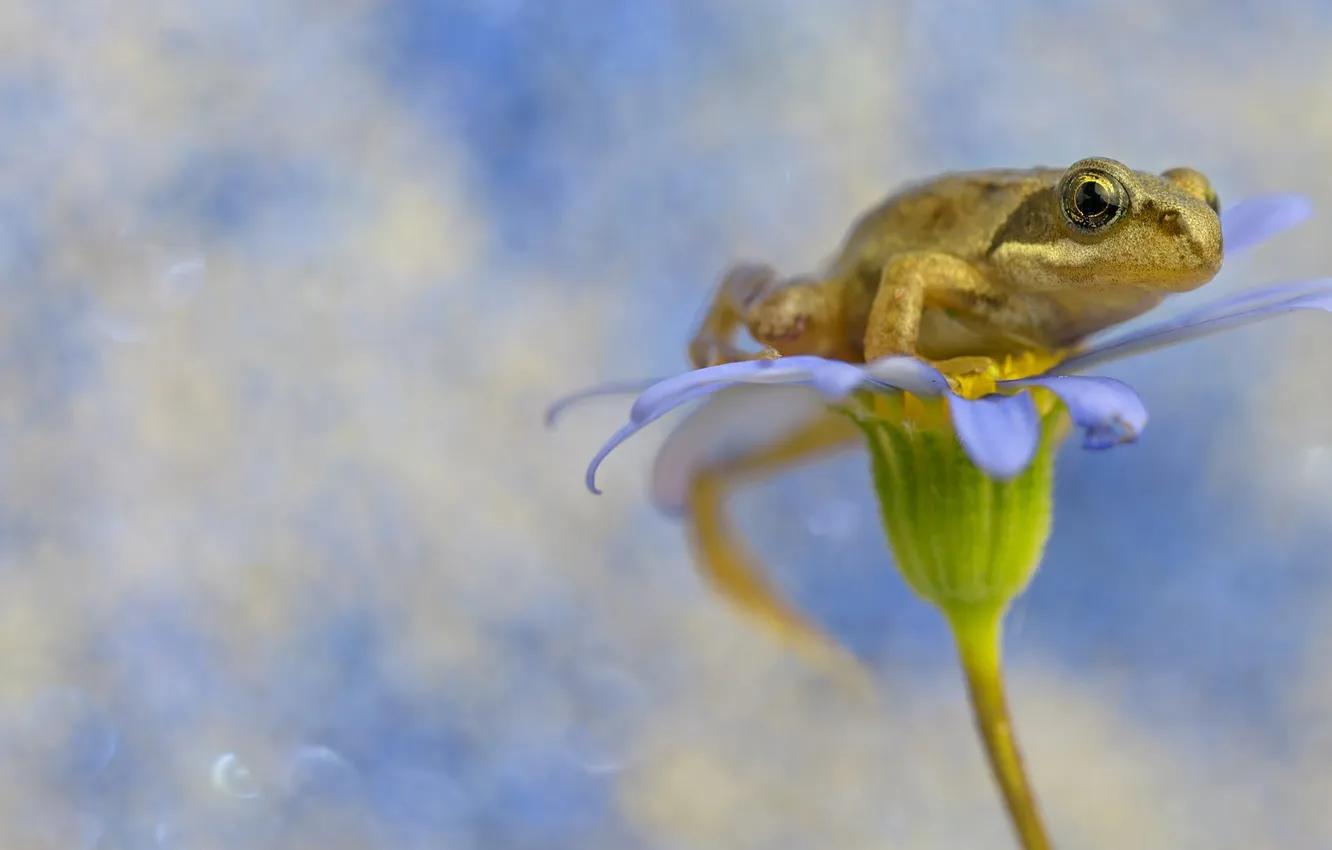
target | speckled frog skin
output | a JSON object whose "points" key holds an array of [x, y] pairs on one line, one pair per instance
{"points": [[982, 263]]}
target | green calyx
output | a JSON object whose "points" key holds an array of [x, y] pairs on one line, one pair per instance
{"points": [[962, 540]]}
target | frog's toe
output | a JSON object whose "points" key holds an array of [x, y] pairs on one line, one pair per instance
{"points": [[781, 328]]}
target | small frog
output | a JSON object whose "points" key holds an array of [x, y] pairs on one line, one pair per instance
{"points": [[986, 263]]}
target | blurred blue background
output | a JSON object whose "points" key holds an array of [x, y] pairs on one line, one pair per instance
{"points": [[287, 559]]}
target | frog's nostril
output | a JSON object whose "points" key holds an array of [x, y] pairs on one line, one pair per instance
{"points": [[1171, 223]]}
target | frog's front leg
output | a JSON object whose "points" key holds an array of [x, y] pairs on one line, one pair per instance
{"points": [[909, 283]]}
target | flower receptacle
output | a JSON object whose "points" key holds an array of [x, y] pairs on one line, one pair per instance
{"points": [[962, 539]]}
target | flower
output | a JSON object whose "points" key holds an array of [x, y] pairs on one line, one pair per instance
{"points": [[993, 409], [962, 455], [961, 450]]}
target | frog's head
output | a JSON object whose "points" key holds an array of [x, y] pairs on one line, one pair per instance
{"points": [[1103, 224]]}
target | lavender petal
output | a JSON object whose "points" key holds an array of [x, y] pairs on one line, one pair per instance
{"points": [[611, 388], [633, 426], [783, 370], [1315, 295], [1000, 433], [909, 374], [1108, 411], [1257, 219]]}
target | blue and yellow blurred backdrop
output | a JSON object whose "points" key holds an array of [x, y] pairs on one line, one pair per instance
{"points": [[287, 559]]}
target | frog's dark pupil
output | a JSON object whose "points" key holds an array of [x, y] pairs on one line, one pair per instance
{"points": [[1094, 199]]}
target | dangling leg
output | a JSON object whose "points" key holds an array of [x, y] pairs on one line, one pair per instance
{"points": [[730, 566]]}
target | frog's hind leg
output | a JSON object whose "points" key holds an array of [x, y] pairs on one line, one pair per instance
{"points": [[786, 316], [730, 566], [740, 288], [805, 316]]}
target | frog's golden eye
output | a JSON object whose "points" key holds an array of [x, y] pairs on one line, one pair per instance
{"points": [[1093, 199]]}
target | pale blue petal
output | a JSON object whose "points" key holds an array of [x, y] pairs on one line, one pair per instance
{"points": [[1257, 219], [1253, 298], [907, 373], [783, 370], [1109, 412], [612, 388], [833, 380], [999, 433], [634, 426], [626, 431], [1315, 295], [733, 422]]}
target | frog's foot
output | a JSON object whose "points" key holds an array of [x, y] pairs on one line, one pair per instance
{"points": [[741, 287], [801, 317], [777, 321]]}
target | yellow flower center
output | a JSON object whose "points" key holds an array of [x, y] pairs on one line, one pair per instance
{"points": [[976, 377], [971, 378]]}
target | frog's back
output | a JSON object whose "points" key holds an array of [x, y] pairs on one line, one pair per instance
{"points": [[957, 214]]}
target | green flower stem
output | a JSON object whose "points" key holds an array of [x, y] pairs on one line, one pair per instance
{"points": [[968, 544], [979, 638]]}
